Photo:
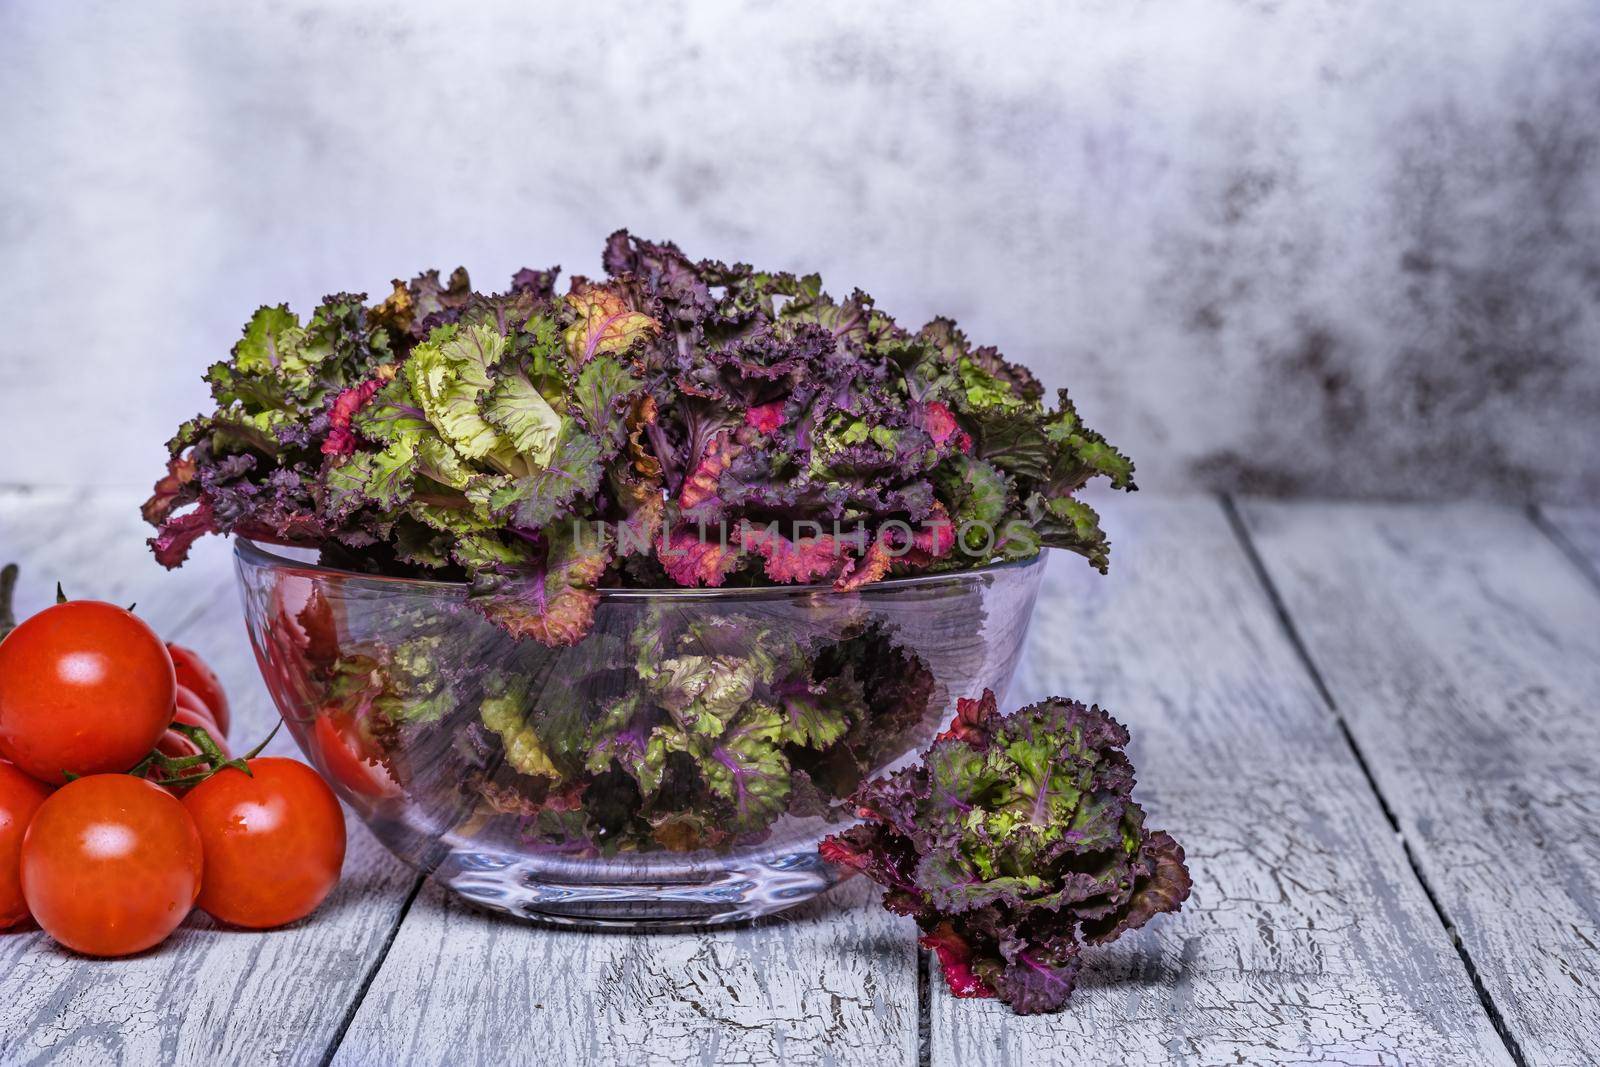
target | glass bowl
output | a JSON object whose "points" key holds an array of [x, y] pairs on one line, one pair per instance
{"points": [[677, 766]]}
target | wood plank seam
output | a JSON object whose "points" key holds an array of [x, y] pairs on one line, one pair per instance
{"points": [[1306, 940], [186, 623], [925, 1007], [1292, 632], [372, 972], [1579, 560], [35, 528], [345, 1032], [777, 1019]]}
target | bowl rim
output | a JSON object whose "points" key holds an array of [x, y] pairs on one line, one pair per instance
{"points": [[257, 553]]}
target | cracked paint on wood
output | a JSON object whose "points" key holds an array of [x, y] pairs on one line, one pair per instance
{"points": [[832, 982], [1307, 938], [1463, 649], [1459, 644], [208, 994]]}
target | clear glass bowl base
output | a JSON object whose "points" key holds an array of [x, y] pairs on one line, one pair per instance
{"points": [[748, 888], [637, 891]]}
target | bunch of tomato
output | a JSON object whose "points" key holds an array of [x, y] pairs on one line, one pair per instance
{"points": [[121, 806]]}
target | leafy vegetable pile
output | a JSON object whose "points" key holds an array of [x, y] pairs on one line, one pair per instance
{"points": [[683, 423], [541, 447], [669, 728], [1015, 841]]}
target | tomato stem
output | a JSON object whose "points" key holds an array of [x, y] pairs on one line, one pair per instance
{"points": [[254, 752], [8, 586], [203, 741], [168, 764], [210, 756]]}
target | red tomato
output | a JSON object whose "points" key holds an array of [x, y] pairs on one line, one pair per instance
{"points": [[344, 759], [20, 797], [198, 676], [186, 700], [273, 842], [85, 688], [110, 865]]}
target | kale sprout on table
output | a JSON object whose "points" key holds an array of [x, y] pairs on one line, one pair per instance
{"points": [[541, 447], [1012, 844]]}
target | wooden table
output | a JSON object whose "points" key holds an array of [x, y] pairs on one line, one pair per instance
{"points": [[1375, 728]]}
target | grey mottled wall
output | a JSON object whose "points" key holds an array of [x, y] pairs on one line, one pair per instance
{"points": [[1321, 246]]}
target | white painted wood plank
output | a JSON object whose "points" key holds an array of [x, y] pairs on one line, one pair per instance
{"points": [[833, 982], [208, 994], [1308, 937], [1463, 649], [93, 544], [1578, 530]]}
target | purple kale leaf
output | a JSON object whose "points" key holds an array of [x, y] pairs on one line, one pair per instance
{"points": [[1012, 844], [444, 432]]}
